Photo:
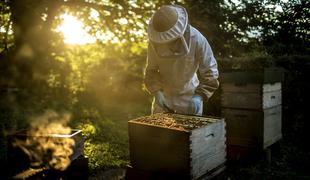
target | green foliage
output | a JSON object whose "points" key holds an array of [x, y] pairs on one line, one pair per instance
{"points": [[229, 27], [81, 61], [295, 98], [235, 28], [106, 134], [102, 152], [103, 155], [103, 140], [103, 121], [88, 130], [6, 38], [288, 32], [254, 62]]}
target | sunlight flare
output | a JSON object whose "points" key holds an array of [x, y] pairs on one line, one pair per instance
{"points": [[73, 31]]}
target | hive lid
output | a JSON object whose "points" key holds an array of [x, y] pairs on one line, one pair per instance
{"points": [[267, 75]]}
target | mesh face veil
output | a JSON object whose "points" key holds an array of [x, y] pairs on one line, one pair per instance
{"points": [[172, 42]]}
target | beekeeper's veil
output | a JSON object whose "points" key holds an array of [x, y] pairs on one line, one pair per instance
{"points": [[169, 31]]}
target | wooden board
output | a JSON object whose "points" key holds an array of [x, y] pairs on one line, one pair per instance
{"points": [[269, 87], [189, 153], [272, 126], [251, 96], [272, 99], [208, 149], [251, 128], [154, 148], [243, 127], [251, 87]]}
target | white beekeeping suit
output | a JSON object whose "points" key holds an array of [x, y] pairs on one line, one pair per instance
{"points": [[181, 70]]}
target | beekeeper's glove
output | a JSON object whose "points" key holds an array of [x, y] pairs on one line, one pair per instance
{"points": [[195, 105], [161, 100]]}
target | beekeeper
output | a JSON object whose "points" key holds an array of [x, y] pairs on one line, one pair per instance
{"points": [[181, 70]]}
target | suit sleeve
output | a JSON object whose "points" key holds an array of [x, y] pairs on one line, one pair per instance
{"points": [[207, 71], [152, 79]]}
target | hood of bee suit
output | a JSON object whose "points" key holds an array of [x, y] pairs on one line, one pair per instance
{"points": [[167, 24]]}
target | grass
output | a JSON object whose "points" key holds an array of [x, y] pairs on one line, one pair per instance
{"points": [[105, 130]]}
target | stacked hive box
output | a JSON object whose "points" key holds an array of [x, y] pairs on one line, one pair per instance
{"points": [[187, 147], [251, 106]]}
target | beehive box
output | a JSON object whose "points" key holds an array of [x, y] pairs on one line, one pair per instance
{"points": [[252, 90], [251, 96], [252, 128], [251, 105], [189, 146]]}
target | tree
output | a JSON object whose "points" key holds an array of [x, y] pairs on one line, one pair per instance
{"points": [[288, 30], [227, 25], [235, 28], [36, 44]]}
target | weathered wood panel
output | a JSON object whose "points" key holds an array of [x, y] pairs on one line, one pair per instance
{"points": [[272, 99], [251, 87], [251, 96], [242, 100], [252, 128], [154, 148], [208, 148], [272, 126], [243, 127], [250, 105], [277, 86], [241, 88]]}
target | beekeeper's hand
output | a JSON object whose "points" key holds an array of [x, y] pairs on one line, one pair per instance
{"points": [[195, 105], [161, 100]]}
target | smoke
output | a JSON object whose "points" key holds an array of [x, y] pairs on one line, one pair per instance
{"points": [[47, 142]]}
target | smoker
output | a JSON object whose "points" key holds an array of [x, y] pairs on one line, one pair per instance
{"points": [[20, 159]]}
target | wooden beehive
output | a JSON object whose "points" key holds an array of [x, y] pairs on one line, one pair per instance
{"points": [[187, 146], [251, 105], [252, 128], [254, 96]]}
